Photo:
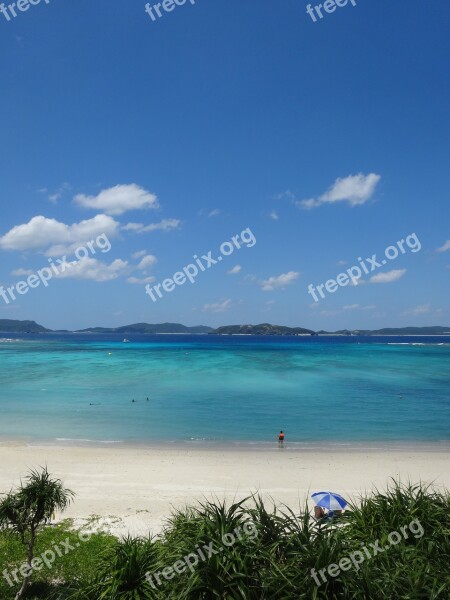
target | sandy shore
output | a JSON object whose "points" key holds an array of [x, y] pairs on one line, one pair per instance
{"points": [[134, 489]]}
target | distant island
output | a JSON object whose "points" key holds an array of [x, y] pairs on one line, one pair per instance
{"points": [[149, 328], [392, 331], [13, 326], [263, 329]]}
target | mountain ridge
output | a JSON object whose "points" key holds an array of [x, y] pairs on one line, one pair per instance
{"points": [[16, 326]]}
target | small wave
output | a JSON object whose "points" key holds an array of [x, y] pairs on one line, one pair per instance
{"points": [[89, 441], [9, 340], [417, 344], [410, 344]]}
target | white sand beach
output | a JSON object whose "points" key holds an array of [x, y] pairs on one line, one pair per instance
{"points": [[134, 489]]}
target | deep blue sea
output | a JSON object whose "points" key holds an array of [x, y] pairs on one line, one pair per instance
{"points": [[220, 388]]}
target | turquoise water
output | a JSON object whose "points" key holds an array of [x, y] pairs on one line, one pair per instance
{"points": [[224, 388]]}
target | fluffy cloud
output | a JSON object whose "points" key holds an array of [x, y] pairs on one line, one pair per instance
{"points": [[42, 233], [139, 254], [274, 215], [354, 189], [217, 307], [146, 262], [280, 281], [445, 247], [235, 270], [164, 225], [96, 270], [119, 199], [388, 277]]}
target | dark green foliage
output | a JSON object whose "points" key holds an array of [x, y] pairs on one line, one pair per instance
{"points": [[23, 511], [273, 554]]}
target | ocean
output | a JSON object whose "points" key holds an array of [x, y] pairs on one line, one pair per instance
{"points": [[79, 388]]}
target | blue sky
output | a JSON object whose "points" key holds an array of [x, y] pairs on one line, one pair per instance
{"points": [[329, 140]]}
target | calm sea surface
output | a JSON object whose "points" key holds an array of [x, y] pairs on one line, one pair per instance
{"points": [[222, 388]]}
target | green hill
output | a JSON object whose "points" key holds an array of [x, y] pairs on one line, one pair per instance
{"points": [[263, 329], [149, 329], [12, 326], [434, 330]]}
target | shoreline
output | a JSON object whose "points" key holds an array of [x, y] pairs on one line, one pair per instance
{"points": [[317, 446], [134, 489]]}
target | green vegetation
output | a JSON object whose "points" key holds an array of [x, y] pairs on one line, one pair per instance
{"points": [[263, 329], [10, 326], [50, 582], [437, 330], [148, 328], [270, 557], [23, 511], [13, 326]]}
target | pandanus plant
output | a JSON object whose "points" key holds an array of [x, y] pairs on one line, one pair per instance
{"points": [[23, 511]]}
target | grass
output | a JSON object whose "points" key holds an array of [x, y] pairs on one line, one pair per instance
{"points": [[75, 566], [271, 557]]}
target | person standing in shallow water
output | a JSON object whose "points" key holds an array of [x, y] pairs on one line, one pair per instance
{"points": [[281, 439]]}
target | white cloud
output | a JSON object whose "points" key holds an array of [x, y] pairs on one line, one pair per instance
{"points": [[58, 194], [445, 247], [388, 277], [354, 189], [146, 262], [280, 281], [274, 215], [358, 307], [133, 227], [164, 225], [287, 194], [235, 270], [217, 307], [96, 270], [139, 254], [22, 272], [214, 213], [341, 263], [141, 280], [119, 199], [422, 309], [40, 233]]}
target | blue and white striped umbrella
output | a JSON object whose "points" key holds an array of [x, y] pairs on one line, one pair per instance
{"points": [[329, 500]]}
